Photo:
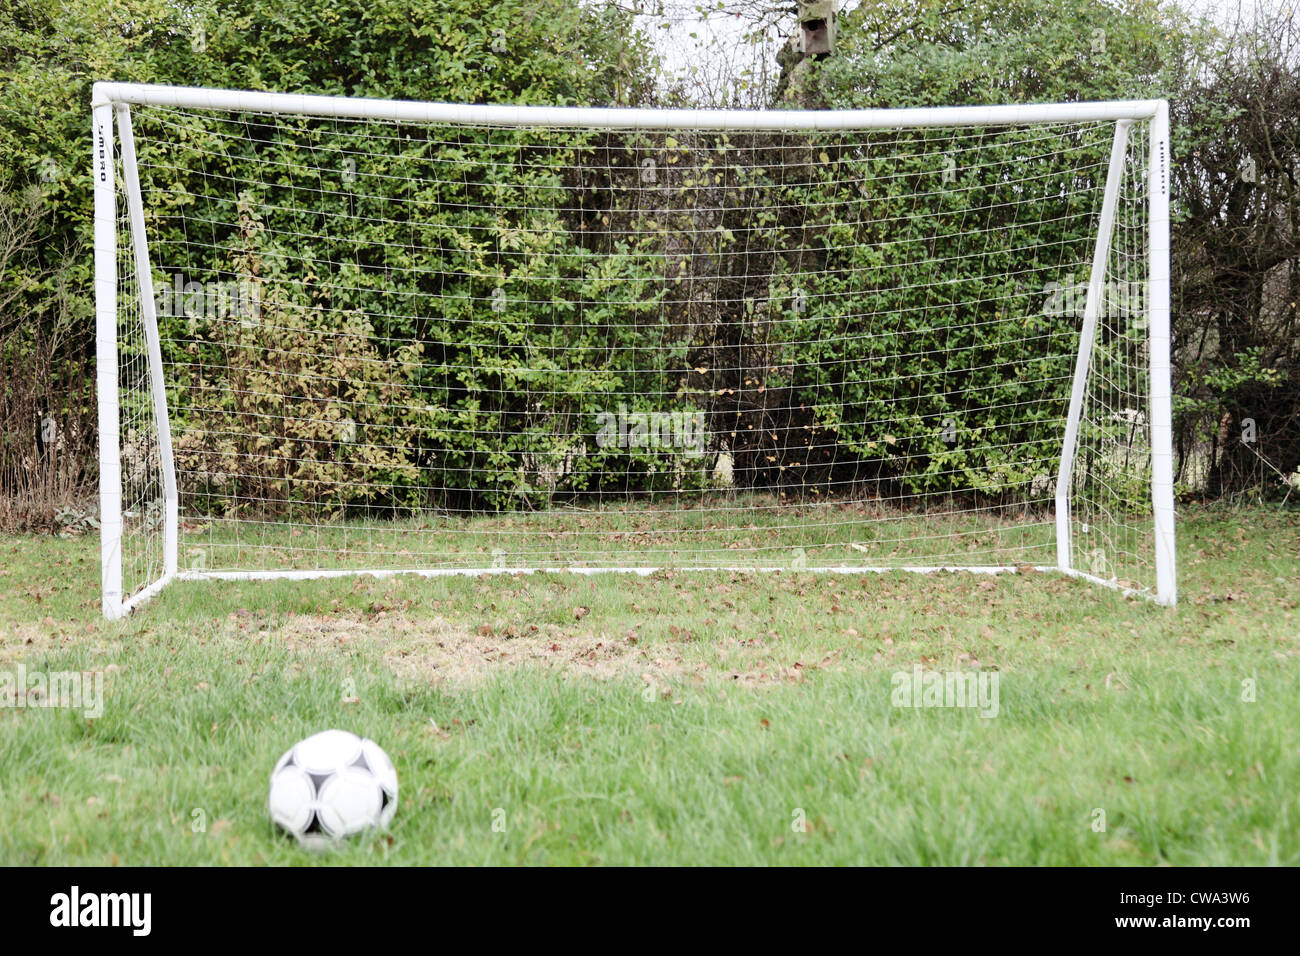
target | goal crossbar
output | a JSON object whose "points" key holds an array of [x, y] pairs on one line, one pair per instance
{"points": [[411, 111]]}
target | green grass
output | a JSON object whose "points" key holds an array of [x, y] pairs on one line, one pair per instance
{"points": [[734, 529], [682, 718]]}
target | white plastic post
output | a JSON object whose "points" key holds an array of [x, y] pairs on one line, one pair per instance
{"points": [[110, 465], [250, 101], [149, 313], [107, 95], [1087, 338], [1162, 429]]}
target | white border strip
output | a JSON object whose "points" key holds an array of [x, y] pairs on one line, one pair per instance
{"points": [[141, 94]]}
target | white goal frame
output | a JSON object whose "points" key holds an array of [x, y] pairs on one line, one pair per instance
{"points": [[111, 110]]}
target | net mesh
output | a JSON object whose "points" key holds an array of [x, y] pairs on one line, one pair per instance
{"points": [[405, 346]]}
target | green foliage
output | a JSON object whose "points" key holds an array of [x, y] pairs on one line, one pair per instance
{"points": [[935, 53], [948, 322], [507, 319], [1000, 338], [516, 51], [292, 411], [560, 288]]}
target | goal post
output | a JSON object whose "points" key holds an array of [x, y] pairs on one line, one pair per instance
{"points": [[340, 336], [157, 383], [1162, 416], [103, 169]]}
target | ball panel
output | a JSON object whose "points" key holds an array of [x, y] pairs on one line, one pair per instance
{"points": [[349, 802], [381, 766], [327, 752], [388, 809], [284, 760], [292, 799]]}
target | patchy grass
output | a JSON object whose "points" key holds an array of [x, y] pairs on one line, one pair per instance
{"points": [[682, 718], [729, 530]]}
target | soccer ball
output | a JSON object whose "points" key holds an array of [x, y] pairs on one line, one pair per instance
{"points": [[333, 785]]}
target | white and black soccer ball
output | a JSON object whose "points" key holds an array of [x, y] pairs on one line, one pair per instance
{"points": [[332, 785]]}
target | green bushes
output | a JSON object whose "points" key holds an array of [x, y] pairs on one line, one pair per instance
{"points": [[485, 296], [290, 410], [847, 313], [453, 50]]}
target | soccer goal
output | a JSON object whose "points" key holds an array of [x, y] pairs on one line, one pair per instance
{"points": [[341, 336]]}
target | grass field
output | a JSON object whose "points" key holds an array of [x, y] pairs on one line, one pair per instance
{"points": [[681, 718], [746, 529]]}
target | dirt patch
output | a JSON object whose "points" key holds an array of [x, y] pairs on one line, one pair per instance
{"points": [[435, 650], [460, 656], [26, 642]]}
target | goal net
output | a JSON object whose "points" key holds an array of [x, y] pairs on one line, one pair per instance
{"points": [[342, 336]]}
